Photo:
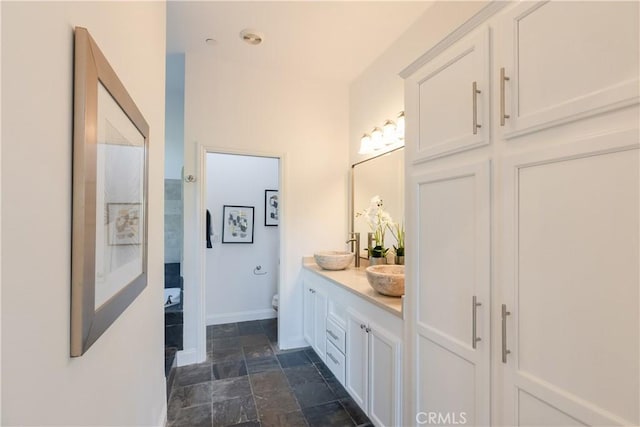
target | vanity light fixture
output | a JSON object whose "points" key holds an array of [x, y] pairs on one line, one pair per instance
{"points": [[392, 133]]}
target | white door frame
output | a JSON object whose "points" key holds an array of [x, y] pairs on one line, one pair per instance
{"points": [[197, 274]]}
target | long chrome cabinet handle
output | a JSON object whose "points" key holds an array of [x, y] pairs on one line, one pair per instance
{"points": [[334, 336], [330, 356], [474, 311], [503, 79], [474, 97], [505, 350]]}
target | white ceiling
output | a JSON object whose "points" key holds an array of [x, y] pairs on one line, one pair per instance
{"points": [[329, 39]]}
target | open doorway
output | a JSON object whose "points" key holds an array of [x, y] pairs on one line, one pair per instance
{"points": [[242, 238], [210, 297]]}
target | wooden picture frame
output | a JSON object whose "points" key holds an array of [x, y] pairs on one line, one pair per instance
{"points": [[110, 173], [237, 224]]}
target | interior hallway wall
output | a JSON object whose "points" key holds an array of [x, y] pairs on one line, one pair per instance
{"points": [[233, 292], [241, 108], [120, 380]]}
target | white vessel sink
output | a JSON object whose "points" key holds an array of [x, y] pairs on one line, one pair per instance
{"points": [[387, 279], [333, 260]]}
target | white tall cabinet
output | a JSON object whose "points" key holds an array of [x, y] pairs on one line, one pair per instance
{"points": [[523, 197]]}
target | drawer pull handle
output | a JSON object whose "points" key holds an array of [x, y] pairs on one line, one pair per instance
{"points": [[334, 336], [330, 356]]}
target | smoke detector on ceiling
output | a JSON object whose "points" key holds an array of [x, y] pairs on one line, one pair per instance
{"points": [[251, 37]]}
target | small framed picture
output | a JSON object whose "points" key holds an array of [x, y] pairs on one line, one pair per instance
{"points": [[125, 227], [271, 208], [237, 226]]}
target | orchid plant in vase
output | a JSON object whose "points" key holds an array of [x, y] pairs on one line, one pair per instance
{"points": [[378, 220]]}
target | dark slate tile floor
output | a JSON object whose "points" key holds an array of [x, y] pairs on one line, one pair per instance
{"points": [[248, 381]]}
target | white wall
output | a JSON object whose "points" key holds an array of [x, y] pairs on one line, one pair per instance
{"points": [[174, 116], [120, 380], [378, 93], [233, 292], [235, 107]]}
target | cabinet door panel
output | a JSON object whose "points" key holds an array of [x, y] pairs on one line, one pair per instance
{"points": [[573, 283], [309, 318], [320, 323], [444, 382], [568, 60], [384, 375], [445, 100], [453, 221], [357, 360]]}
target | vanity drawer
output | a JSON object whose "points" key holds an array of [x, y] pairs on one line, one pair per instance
{"points": [[335, 361], [336, 334]]}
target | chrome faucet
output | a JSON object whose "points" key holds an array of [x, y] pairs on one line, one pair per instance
{"points": [[356, 242]]}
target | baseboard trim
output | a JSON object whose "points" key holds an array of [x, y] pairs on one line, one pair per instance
{"points": [[293, 343], [241, 316]]}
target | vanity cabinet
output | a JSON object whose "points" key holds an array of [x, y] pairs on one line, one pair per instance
{"points": [[362, 339], [315, 318], [522, 273], [373, 369]]}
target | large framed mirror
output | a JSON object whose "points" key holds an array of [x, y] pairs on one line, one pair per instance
{"points": [[382, 176]]}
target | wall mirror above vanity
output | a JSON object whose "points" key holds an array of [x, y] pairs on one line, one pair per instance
{"points": [[383, 176]]}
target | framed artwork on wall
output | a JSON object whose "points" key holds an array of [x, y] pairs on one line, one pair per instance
{"points": [[124, 223], [110, 170], [237, 224], [271, 208]]}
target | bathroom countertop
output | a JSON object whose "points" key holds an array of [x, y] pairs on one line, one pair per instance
{"points": [[355, 281]]}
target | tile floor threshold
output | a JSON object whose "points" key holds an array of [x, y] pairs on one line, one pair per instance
{"points": [[247, 381]]}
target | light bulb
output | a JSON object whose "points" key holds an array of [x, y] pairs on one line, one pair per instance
{"points": [[389, 132], [376, 138], [365, 144]]}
